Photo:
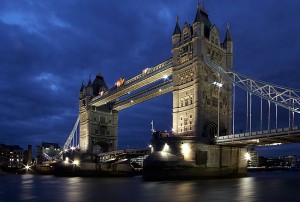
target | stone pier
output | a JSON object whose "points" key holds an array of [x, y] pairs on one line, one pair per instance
{"points": [[180, 158]]}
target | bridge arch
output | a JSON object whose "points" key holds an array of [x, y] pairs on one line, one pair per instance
{"points": [[210, 129]]}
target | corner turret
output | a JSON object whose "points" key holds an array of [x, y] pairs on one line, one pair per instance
{"points": [[176, 33], [228, 46], [202, 24]]}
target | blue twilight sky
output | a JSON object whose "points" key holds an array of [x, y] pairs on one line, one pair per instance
{"points": [[47, 47]]}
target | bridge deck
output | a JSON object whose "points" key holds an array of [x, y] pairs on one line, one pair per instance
{"points": [[153, 74], [266, 137]]}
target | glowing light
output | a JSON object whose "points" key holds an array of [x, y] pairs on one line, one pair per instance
{"points": [[166, 148], [76, 162], [159, 89], [73, 148], [247, 156], [120, 82], [27, 167], [186, 151], [131, 100], [276, 143], [165, 76], [150, 146], [185, 148], [220, 85]]}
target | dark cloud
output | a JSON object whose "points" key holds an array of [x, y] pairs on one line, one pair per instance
{"points": [[49, 47]]}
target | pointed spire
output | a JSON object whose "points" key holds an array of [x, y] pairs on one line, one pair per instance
{"points": [[177, 28], [227, 35], [82, 86], [198, 14], [90, 82]]}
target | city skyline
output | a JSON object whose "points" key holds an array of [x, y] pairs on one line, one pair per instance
{"points": [[49, 48]]}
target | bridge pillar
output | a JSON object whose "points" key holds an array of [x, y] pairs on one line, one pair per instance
{"points": [[98, 125], [183, 158], [201, 108]]}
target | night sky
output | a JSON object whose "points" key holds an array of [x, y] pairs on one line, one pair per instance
{"points": [[48, 47]]}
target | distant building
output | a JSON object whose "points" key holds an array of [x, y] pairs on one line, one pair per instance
{"points": [[11, 156], [254, 158], [279, 162], [290, 161]]}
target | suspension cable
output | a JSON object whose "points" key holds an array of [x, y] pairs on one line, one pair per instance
{"points": [[247, 113], [261, 114], [233, 110], [250, 114]]}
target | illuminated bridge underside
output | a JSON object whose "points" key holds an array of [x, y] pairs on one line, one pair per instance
{"points": [[151, 75], [144, 95], [261, 138]]}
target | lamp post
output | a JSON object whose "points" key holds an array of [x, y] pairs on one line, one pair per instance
{"points": [[219, 85]]}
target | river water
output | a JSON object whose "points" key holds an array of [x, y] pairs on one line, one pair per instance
{"points": [[264, 186]]}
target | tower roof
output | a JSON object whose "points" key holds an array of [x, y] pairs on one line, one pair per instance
{"points": [[202, 16], [99, 75], [89, 83], [82, 87], [177, 28], [99, 84]]}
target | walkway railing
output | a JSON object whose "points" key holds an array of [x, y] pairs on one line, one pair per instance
{"points": [[260, 134]]}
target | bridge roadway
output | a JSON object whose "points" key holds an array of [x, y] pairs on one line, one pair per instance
{"points": [[262, 138], [148, 76], [144, 95]]}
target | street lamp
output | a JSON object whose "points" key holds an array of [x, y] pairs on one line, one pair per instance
{"points": [[219, 85]]}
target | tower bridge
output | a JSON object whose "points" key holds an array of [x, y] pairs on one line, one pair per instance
{"points": [[201, 77]]}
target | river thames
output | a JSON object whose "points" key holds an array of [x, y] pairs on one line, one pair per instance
{"points": [[263, 186]]}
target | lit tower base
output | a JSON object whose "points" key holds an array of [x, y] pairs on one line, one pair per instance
{"points": [[186, 158]]}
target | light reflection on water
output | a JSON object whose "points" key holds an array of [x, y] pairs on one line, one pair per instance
{"points": [[257, 187]]}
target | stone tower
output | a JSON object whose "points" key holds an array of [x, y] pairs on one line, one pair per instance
{"points": [[198, 104], [98, 125]]}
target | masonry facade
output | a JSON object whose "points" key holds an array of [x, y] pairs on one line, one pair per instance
{"points": [[98, 125], [198, 104]]}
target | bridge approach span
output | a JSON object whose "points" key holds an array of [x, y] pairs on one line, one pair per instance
{"points": [[262, 138]]}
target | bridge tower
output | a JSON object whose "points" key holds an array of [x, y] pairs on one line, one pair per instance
{"points": [[198, 103], [98, 125]]}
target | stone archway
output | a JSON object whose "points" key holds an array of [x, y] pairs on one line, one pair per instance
{"points": [[210, 129], [104, 146]]}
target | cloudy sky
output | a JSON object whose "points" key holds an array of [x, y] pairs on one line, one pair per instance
{"points": [[47, 47]]}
